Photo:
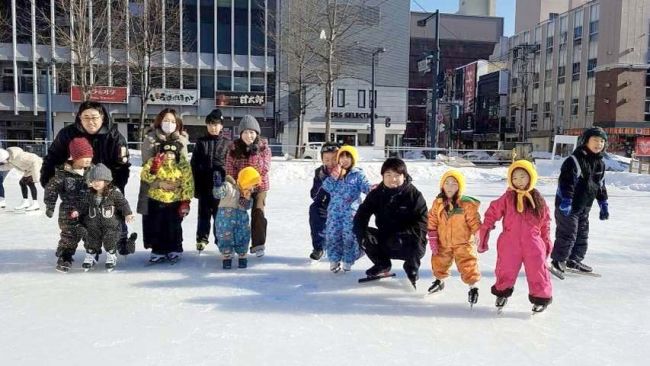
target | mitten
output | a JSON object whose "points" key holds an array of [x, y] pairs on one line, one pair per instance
{"points": [[432, 236], [604, 210], [565, 206], [156, 163], [483, 238], [184, 209], [217, 180]]}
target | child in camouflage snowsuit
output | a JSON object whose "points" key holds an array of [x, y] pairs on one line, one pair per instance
{"points": [[168, 168], [345, 185], [69, 183], [232, 224], [102, 212]]}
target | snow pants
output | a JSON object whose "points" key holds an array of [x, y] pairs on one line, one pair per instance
{"points": [[102, 235], [571, 235], [208, 207], [258, 222], [511, 254], [233, 231], [341, 244], [381, 250], [71, 233], [317, 222], [167, 235], [466, 260]]}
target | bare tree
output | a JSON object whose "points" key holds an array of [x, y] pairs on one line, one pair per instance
{"points": [[5, 26]]}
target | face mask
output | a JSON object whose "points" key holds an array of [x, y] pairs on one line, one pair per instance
{"points": [[168, 127]]}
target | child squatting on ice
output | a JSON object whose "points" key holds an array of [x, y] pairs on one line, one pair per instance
{"points": [[232, 224], [525, 237], [453, 221], [101, 213], [345, 185]]}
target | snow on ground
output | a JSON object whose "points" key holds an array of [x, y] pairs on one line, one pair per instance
{"points": [[283, 310]]}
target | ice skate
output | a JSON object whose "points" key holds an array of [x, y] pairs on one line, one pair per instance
{"points": [[557, 268], [335, 267], [472, 296], [242, 262], [500, 303], [538, 308], [201, 245], [3, 203], [578, 266], [174, 257], [436, 286], [89, 261], [157, 258], [316, 254], [26, 203], [64, 263], [111, 261], [227, 263], [33, 206], [347, 267]]}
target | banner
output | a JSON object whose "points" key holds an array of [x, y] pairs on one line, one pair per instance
{"points": [[174, 96], [102, 94], [240, 99], [642, 146], [470, 88]]}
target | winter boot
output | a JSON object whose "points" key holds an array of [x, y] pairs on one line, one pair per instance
{"points": [[335, 267], [436, 286], [578, 266], [377, 270], [227, 263], [242, 262], [111, 260], [26, 203], [347, 267], [33, 206], [472, 296], [89, 261], [316, 254], [200, 245], [157, 258]]}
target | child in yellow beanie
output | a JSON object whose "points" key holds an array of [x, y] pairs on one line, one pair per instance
{"points": [[453, 221]]}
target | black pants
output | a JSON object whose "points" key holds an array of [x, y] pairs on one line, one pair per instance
{"points": [[317, 220], [571, 234], [208, 207], [28, 182], [165, 231], [380, 250], [258, 221]]}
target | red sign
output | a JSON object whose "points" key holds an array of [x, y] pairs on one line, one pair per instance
{"points": [[102, 94], [642, 146], [470, 88]]}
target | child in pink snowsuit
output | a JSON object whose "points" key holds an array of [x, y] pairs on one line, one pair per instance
{"points": [[525, 237]]}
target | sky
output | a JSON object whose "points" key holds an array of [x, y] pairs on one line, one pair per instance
{"points": [[505, 9]]}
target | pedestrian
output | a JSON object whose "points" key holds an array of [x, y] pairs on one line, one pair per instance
{"points": [[109, 148], [321, 199], [4, 170], [525, 238], [30, 165], [209, 155], [581, 181], [232, 223], [401, 218], [101, 213], [166, 127], [345, 185], [251, 150], [453, 221], [168, 203], [70, 185]]}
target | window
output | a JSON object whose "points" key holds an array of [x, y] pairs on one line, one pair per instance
{"points": [[371, 99], [257, 28], [241, 28], [224, 44], [577, 24], [207, 29], [241, 81], [7, 79], [361, 98], [340, 98], [189, 79], [189, 26], [514, 85], [207, 84], [591, 65], [257, 81], [594, 15], [224, 80], [561, 71]]}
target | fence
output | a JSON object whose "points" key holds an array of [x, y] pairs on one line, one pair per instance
{"points": [[38, 147]]}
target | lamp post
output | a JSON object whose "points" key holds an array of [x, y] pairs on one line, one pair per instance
{"points": [[372, 95], [48, 114], [433, 137]]}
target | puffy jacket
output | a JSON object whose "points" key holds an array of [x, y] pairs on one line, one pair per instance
{"points": [[109, 148], [583, 183], [209, 154], [28, 163], [109, 211], [70, 185], [154, 137], [174, 172], [258, 156], [345, 192], [458, 225], [229, 195]]}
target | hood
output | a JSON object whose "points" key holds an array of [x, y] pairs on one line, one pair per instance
{"points": [[14, 153], [460, 178]]}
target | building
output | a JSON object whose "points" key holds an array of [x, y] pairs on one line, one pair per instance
{"points": [[385, 32], [485, 8], [463, 40], [226, 59], [583, 67], [529, 13]]}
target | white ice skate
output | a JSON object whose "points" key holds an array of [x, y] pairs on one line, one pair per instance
{"points": [[3, 203], [111, 261], [33, 206], [89, 261], [26, 203]]}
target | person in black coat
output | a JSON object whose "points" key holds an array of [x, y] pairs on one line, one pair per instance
{"points": [[582, 179], [109, 148], [208, 157], [318, 208], [401, 217]]}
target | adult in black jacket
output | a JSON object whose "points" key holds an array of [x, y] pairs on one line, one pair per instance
{"points": [[208, 157], [582, 179], [401, 217], [109, 146]]}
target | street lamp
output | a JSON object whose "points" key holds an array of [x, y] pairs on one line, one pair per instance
{"points": [[433, 136], [372, 95], [48, 116]]}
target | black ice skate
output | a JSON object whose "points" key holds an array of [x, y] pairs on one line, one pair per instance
{"points": [[538, 308], [472, 296], [316, 254], [578, 266], [64, 263], [436, 286], [500, 303], [557, 268], [242, 263], [227, 263]]}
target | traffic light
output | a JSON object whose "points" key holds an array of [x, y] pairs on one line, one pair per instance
{"points": [[440, 85]]}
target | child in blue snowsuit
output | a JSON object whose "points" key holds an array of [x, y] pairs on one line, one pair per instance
{"points": [[318, 208], [232, 224], [345, 185]]}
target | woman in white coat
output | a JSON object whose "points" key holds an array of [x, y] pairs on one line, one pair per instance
{"points": [[30, 165]]}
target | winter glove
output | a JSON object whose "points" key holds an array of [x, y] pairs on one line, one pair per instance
{"points": [[432, 236], [156, 163], [184, 209], [483, 238], [217, 180], [49, 212], [565, 206], [604, 210]]}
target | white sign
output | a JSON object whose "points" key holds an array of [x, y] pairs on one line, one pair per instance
{"points": [[174, 96]]}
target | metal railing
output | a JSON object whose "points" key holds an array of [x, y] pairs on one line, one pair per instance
{"points": [[38, 147]]}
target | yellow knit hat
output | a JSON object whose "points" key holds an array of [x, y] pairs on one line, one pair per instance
{"points": [[460, 178], [521, 193], [350, 150], [248, 178]]}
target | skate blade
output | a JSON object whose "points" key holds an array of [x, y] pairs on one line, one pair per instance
{"points": [[109, 270]]}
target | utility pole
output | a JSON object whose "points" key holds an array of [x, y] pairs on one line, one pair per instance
{"points": [[435, 61]]}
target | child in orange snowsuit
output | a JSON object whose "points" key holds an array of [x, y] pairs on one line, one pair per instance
{"points": [[453, 221]]}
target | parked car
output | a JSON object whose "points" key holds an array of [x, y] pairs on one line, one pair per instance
{"points": [[312, 150]]}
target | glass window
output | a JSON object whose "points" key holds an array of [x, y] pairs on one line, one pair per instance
{"points": [[257, 27], [372, 99], [361, 98], [340, 98], [207, 84], [241, 28], [257, 81], [241, 81], [189, 79], [224, 44], [224, 80], [207, 27], [189, 25]]}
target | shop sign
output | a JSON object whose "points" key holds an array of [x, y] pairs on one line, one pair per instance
{"points": [[240, 99], [102, 94], [174, 96], [642, 146], [352, 115]]}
